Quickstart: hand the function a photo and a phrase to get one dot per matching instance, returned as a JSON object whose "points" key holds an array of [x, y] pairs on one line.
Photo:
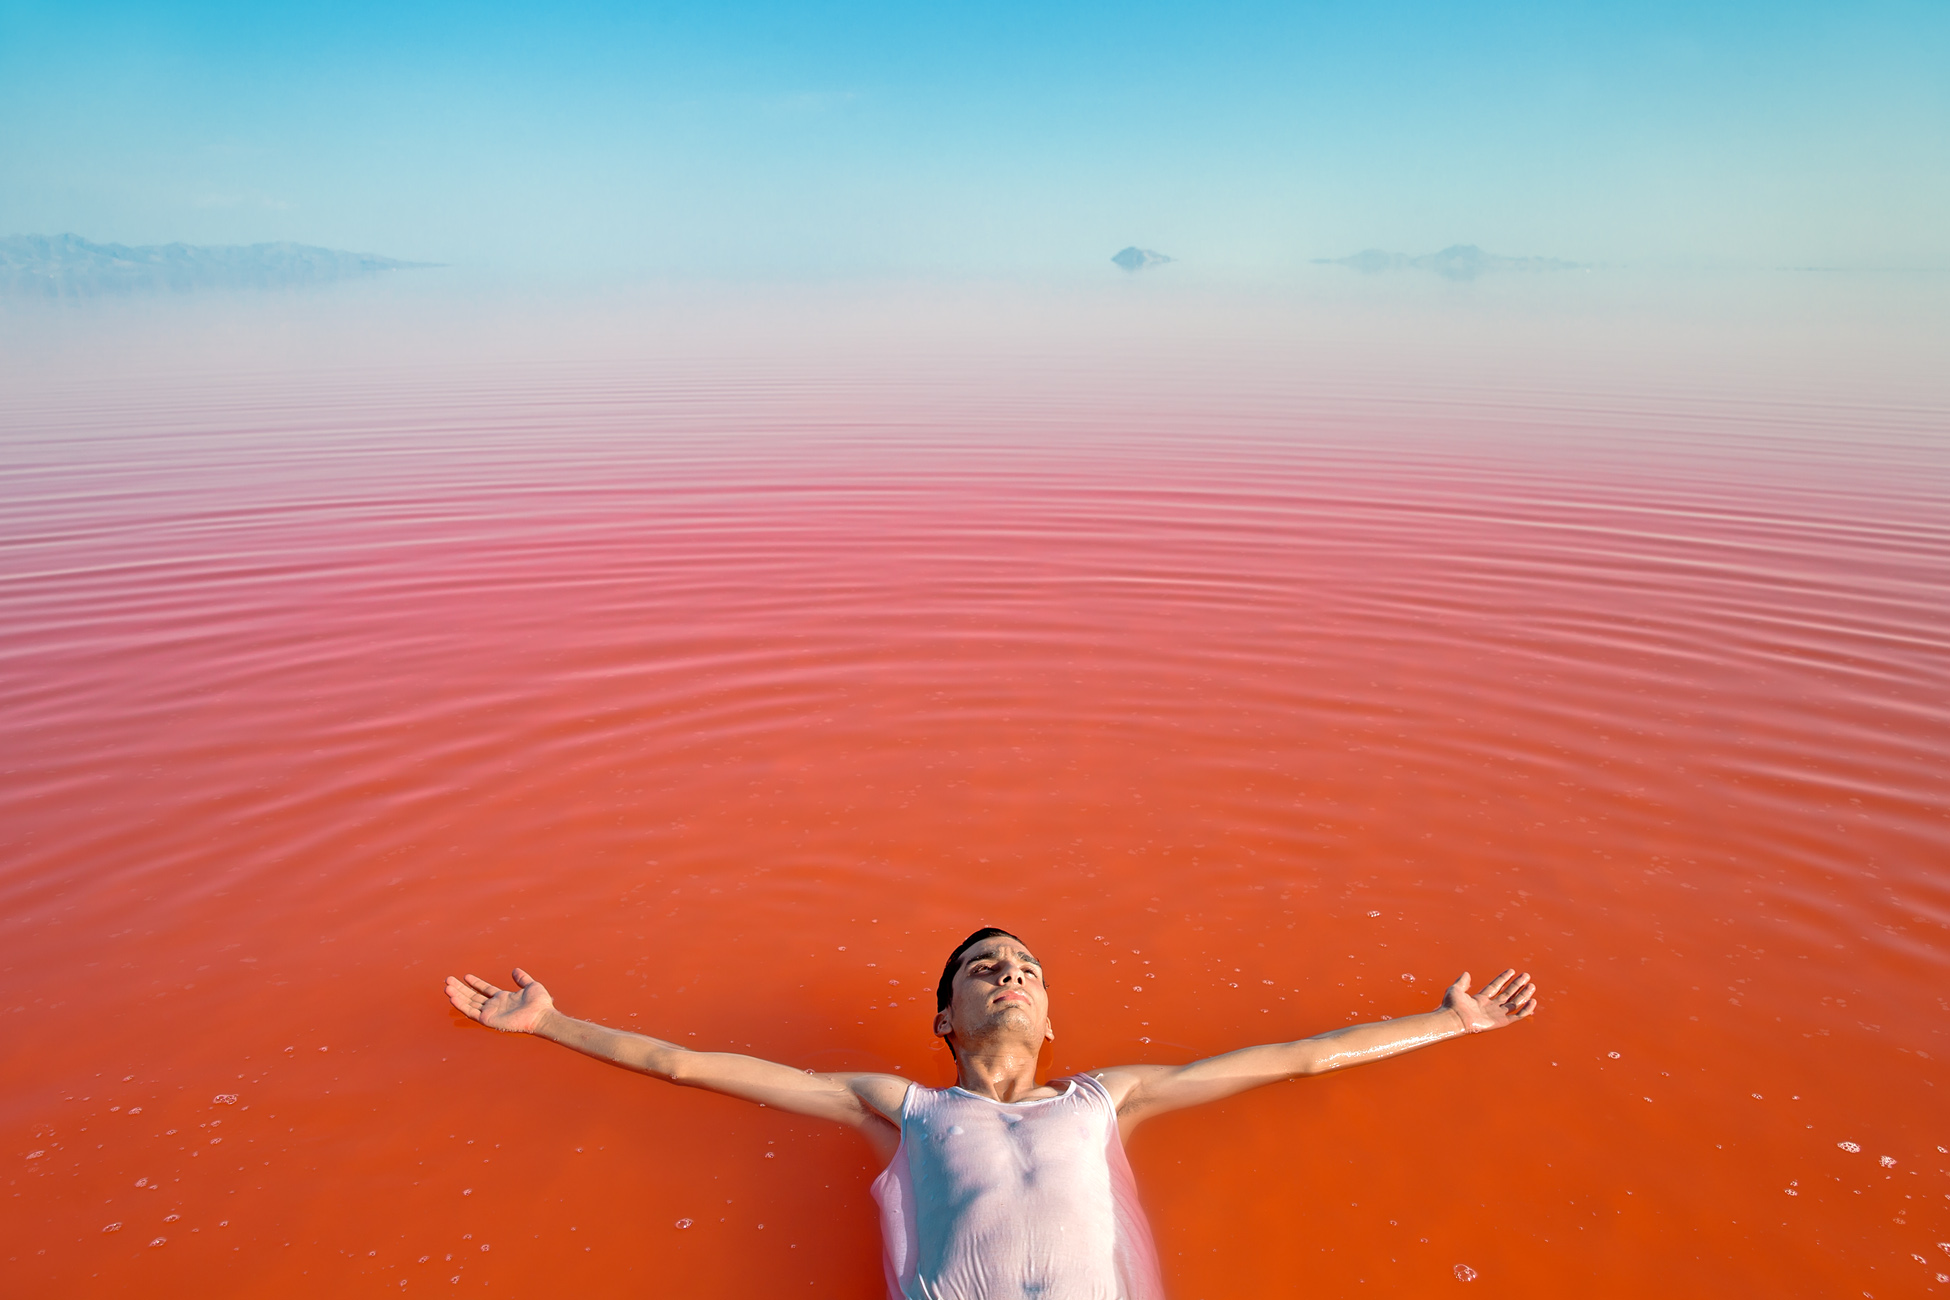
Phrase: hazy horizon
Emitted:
{"points": [[863, 139]]}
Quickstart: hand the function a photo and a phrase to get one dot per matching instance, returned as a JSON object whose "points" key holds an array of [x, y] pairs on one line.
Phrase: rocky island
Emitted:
{"points": [[1136, 259]]}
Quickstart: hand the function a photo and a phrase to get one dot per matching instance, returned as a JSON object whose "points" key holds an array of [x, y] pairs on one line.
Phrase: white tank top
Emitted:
{"points": [[1027, 1200]]}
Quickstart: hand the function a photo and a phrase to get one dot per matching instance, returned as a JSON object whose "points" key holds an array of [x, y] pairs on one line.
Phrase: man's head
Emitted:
{"points": [[991, 986]]}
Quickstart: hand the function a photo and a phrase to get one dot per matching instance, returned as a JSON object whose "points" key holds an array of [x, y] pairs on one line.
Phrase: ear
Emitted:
{"points": [[1049, 1031], [942, 1024]]}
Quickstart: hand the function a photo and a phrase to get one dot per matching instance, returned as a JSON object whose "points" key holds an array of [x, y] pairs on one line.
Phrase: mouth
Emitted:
{"points": [[1011, 995]]}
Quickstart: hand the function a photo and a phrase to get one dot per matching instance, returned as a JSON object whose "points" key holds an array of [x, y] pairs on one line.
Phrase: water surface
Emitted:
{"points": [[722, 659]]}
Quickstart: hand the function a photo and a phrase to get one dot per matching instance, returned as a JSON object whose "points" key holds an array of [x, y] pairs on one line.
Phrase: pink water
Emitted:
{"points": [[723, 667]]}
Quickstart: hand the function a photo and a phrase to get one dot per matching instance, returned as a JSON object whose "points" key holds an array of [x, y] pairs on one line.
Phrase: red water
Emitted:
{"points": [[725, 702]]}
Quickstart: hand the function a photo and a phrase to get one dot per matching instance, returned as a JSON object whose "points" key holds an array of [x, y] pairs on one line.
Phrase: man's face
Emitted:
{"points": [[998, 989]]}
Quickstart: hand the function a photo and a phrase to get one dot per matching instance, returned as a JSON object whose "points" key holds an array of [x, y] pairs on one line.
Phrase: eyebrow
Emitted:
{"points": [[1028, 960]]}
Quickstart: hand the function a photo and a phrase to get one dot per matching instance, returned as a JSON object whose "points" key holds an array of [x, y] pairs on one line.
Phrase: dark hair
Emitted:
{"points": [[944, 992]]}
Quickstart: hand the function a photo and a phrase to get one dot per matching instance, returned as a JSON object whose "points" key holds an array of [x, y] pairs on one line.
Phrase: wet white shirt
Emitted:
{"points": [[1027, 1200]]}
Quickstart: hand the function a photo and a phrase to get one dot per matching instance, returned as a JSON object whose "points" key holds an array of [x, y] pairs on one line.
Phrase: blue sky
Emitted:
{"points": [[759, 139]]}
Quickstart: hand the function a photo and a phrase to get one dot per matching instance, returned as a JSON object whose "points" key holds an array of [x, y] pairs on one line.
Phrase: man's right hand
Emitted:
{"points": [[519, 1010]]}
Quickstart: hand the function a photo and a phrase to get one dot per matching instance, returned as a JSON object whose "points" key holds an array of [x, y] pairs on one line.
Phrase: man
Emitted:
{"points": [[1003, 1187]]}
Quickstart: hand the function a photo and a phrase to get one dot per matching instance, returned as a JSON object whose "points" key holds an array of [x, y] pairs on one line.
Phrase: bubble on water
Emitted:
{"points": [[1848, 1146], [142, 1182], [160, 1241], [128, 1078], [454, 1278], [770, 1154], [324, 1049], [1887, 1162], [425, 1258], [1374, 914], [684, 1223], [35, 1155], [484, 1245], [111, 1227], [135, 1110], [1790, 1191], [1409, 978], [1756, 1096], [1139, 988], [1612, 1055], [1464, 1273], [171, 1218], [229, 1098], [1144, 1040], [223, 1223], [466, 1191]]}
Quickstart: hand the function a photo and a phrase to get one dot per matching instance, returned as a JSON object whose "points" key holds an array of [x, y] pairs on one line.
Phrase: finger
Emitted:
{"points": [[1462, 983], [1495, 986], [1519, 989], [522, 978], [481, 984], [465, 1000]]}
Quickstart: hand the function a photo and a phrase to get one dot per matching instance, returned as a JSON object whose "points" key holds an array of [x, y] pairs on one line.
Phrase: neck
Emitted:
{"points": [[1003, 1069]]}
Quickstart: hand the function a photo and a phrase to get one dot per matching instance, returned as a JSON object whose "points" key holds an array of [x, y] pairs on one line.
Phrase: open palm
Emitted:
{"points": [[1508, 998], [512, 1011]]}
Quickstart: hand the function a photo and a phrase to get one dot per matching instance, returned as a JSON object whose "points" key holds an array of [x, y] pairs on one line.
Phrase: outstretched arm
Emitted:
{"points": [[870, 1103], [1142, 1091]]}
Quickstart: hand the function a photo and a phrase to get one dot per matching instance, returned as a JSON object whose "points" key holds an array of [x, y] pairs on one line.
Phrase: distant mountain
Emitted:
{"points": [[62, 265], [1457, 262], [1136, 259]]}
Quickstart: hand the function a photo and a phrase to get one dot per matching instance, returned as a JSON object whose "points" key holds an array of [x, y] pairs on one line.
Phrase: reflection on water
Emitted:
{"points": [[723, 660]]}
